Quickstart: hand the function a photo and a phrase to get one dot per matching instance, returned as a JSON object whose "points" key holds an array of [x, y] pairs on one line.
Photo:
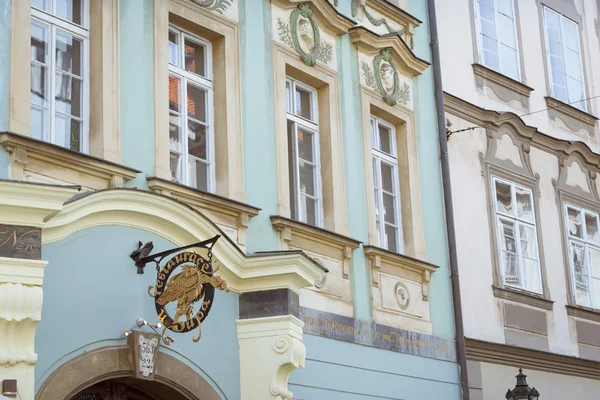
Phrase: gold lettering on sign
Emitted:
{"points": [[16, 240]]}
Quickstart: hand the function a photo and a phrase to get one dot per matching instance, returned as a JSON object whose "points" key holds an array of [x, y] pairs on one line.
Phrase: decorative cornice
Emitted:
{"points": [[22, 271], [523, 298], [326, 13], [498, 353], [24, 148], [372, 43], [396, 14], [583, 313], [568, 110], [502, 80]]}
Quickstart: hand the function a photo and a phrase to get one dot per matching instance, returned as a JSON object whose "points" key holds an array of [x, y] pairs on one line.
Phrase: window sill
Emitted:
{"points": [[583, 313], [232, 216], [295, 234], [523, 297], [38, 161], [574, 118], [507, 89]]}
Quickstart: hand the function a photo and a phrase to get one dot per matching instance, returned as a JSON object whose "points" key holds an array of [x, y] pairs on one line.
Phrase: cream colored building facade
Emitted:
{"points": [[521, 98]]}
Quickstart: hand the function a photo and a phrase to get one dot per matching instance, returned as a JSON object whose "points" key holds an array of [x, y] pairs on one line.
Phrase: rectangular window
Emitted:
{"points": [[191, 111], [584, 254], [564, 59], [517, 236], [303, 144], [386, 187], [60, 72], [497, 37]]}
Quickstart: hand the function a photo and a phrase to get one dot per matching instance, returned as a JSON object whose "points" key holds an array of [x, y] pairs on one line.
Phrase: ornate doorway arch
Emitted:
{"points": [[114, 363]]}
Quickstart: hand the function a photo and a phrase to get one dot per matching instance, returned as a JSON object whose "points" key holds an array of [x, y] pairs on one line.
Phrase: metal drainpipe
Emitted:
{"points": [[439, 101]]}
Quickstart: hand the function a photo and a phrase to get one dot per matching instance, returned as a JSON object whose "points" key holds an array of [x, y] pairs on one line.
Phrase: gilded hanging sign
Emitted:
{"points": [[185, 288]]}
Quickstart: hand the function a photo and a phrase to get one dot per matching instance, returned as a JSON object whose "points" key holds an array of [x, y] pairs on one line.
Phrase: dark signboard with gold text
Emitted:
{"points": [[20, 242]]}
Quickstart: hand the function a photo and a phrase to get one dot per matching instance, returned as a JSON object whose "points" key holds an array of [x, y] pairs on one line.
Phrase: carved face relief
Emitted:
{"points": [[306, 34], [387, 77]]}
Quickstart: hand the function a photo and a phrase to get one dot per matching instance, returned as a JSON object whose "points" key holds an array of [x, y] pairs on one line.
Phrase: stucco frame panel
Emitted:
{"points": [[403, 120], [224, 36], [492, 166], [326, 82]]}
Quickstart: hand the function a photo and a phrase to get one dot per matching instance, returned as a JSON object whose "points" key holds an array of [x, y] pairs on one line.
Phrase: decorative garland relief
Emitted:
{"points": [[213, 5], [384, 77]]}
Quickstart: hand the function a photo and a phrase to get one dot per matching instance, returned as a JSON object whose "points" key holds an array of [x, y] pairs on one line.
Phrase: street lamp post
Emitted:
{"points": [[522, 391]]}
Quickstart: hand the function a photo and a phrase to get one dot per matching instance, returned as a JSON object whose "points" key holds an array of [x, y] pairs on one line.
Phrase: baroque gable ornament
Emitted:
{"points": [[213, 5], [387, 79]]}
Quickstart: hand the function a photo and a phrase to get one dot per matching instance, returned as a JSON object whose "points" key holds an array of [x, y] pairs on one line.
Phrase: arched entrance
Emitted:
{"points": [[106, 374], [128, 389]]}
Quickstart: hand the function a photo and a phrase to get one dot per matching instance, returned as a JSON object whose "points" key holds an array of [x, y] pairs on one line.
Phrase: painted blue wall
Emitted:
{"points": [[92, 296], [339, 370]]}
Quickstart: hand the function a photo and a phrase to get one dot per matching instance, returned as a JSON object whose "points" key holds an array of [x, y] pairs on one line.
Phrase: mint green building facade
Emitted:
{"points": [[349, 299]]}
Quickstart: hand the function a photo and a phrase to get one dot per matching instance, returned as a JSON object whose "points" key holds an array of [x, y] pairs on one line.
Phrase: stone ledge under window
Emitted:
{"points": [[523, 297], [295, 234], [583, 313], [34, 160], [232, 216], [572, 117], [507, 89]]}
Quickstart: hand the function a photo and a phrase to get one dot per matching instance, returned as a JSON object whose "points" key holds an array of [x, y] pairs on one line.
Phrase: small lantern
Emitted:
{"points": [[522, 391]]}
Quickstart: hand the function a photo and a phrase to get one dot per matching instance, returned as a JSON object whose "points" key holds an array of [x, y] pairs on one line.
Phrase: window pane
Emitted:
{"points": [[487, 15], [387, 174], [528, 242], [557, 63], [580, 274], [38, 122], [197, 145], [308, 210], [71, 10], [574, 222], [376, 172], [555, 49], [510, 63], [385, 139], [69, 95], [68, 53], [198, 174], [391, 234], [576, 95], [595, 263], [39, 84], [389, 209], [41, 4], [39, 41], [591, 228], [305, 144], [596, 287], [380, 238], [174, 93], [552, 24], [508, 250], [288, 97], [377, 206], [175, 132], [490, 56], [195, 57], [196, 102], [506, 31], [505, 7], [307, 178], [571, 34], [173, 48], [559, 78], [67, 132], [303, 104], [503, 198], [560, 93], [574, 65], [524, 204], [176, 170]]}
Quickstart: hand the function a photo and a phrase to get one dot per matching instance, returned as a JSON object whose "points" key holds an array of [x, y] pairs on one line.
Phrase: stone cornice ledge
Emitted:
{"points": [[394, 13], [31, 204], [583, 313], [570, 111], [523, 298], [18, 270], [499, 353], [328, 14], [502, 80], [371, 42], [23, 148]]}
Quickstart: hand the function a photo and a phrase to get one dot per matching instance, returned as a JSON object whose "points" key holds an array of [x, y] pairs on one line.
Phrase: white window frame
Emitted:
{"points": [[498, 217], [379, 157], [205, 83], [564, 49], [80, 32], [313, 126], [480, 54], [587, 245]]}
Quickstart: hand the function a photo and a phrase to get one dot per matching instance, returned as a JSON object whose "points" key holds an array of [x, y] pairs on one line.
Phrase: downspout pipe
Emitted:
{"points": [[445, 166]]}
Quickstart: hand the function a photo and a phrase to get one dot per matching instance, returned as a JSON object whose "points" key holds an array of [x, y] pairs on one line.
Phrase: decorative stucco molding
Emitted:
{"points": [[518, 296], [324, 13], [573, 118], [271, 349], [583, 313], [505, 88], [213, 5]]}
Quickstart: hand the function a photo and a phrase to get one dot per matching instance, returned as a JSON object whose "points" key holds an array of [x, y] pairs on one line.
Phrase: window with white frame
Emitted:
{"points": [[497, 36], [191, 126], [60, 72], [564, 59], [517, 236], [386, 185], [584, 254], [304, 158]]}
